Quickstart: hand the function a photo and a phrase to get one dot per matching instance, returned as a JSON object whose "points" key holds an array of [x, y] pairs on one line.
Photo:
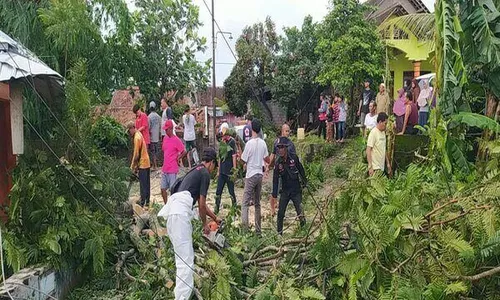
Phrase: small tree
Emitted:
{"points": [[349, 47]]}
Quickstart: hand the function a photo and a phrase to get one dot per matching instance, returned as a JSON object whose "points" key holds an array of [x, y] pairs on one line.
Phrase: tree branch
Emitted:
{"points": [[460, 215], [480, 275], [436, 209]]}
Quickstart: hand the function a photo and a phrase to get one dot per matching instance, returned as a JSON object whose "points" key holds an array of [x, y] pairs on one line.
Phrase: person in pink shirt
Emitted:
{"points": [[142, 123], [173, 151]]}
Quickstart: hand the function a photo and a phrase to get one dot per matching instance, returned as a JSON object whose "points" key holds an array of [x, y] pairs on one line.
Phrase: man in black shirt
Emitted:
{"points": [[289, 169], [179, 212], [227, 164], [367, 97], [285, 133]]}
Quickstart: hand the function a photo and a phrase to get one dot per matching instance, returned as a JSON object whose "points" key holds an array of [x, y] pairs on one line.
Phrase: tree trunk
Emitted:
{"points": [[491, 105], [491, 112]]}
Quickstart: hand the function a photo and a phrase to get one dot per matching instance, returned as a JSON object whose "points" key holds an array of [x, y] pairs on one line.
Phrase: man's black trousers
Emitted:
{"points": [[285, 198], [145, 185]]}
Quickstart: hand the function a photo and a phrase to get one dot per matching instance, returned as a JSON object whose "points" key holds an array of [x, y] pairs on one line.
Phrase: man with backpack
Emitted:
{"points": [[228, 154], [187, 191], [289, 169]]}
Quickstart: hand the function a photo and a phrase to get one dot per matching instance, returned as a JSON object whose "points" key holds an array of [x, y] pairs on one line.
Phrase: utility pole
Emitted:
{"points": [[214, 86]]}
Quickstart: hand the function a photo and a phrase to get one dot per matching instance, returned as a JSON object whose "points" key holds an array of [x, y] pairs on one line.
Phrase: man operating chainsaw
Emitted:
{"points": [[178, 211], [291, 172]]}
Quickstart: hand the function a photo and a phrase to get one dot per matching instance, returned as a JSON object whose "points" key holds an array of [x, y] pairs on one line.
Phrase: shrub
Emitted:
{"points": [[109, 135]]}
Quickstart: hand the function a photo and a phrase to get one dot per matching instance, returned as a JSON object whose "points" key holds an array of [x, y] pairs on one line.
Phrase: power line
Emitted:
{"points": [[76, 178], [230, 49], [107, 211]]}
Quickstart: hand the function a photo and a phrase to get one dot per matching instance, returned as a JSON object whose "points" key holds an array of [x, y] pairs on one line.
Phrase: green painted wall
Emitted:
{"points": [[400, 64]]}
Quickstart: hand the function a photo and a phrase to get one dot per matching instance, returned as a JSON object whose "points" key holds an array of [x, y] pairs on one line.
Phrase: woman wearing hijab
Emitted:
{"points": [[399, 109], [415, 90], [423, 103]]}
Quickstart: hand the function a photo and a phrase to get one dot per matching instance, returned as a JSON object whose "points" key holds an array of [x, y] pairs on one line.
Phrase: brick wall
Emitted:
{"points": [[279, 113]]}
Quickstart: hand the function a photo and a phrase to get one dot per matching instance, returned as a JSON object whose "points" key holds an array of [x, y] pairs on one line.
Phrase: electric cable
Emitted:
{"points": [[154, 230], [98, 202]]}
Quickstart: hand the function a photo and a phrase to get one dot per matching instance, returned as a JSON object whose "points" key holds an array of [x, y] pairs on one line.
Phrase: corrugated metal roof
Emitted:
{"points": [[16, 61]]}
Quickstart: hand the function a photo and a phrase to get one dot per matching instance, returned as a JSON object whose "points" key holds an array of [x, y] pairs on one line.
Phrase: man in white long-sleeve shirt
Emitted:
{"points": [[179, 212]]}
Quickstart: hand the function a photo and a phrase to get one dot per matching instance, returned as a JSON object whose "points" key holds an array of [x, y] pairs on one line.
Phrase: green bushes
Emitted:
{"points": [[54, 218], [420, 234], [109, 136]]}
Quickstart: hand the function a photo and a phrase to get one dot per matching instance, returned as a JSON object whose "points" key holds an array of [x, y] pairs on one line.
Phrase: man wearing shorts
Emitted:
{"points": [[173, 150]]}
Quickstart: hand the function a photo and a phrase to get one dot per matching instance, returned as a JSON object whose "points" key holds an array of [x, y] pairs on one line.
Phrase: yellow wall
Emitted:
{"points": [[400, 64]]}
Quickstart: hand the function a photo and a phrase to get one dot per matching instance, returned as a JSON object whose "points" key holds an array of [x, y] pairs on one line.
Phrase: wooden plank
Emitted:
{"points": [[4, 91]]}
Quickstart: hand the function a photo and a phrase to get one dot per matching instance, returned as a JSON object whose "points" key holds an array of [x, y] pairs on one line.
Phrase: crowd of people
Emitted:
{"points": [[410, 108], [156, 143]]}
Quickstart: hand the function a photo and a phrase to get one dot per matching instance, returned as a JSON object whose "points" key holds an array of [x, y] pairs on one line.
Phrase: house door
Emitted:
{"points": [[7, 160]]}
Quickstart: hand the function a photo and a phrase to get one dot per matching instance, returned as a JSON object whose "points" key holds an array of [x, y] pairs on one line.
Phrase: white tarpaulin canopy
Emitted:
{"points": [[16, 62]]}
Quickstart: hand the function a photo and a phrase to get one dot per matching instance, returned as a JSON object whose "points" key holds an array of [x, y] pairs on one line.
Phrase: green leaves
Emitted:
{"points": [[450, 67], [476, 120], [349, 47], [297, 66], [256, 49]]}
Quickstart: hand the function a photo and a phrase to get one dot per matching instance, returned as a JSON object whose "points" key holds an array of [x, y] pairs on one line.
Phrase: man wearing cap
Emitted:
{"points": [[166, 114], [141, 123], [140, 163], [227, 165], [254, 156], [173, 151], [289, 169], [285, 134], [179, 212], [154, 121], [367, 97], [247, 130]]}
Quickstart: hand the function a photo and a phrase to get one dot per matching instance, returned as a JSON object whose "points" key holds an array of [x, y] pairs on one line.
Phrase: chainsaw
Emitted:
{"points": [[215, 238]]}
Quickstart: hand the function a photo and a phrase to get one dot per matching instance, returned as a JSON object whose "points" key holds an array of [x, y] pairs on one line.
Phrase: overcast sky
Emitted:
{"points": [[234, 15]]}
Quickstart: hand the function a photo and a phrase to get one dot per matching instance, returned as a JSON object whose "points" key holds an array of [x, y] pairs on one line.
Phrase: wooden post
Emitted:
{"points": [[416, 69]]}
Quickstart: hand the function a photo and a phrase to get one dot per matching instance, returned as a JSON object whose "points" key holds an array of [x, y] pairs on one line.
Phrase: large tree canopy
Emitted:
{"points": [[349, 46], [256, 49], [153, 47], [297, 67]]}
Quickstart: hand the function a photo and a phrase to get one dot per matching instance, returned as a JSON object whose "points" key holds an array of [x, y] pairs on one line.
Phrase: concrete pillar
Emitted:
{"points": [[416, 69]]}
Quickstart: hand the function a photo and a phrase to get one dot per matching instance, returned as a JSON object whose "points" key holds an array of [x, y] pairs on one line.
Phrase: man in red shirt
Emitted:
{"points": [[173, 151], [142, 123]]}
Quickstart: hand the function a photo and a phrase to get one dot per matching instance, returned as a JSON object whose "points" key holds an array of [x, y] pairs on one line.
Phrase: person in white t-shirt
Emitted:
{"points": [[371, 117], [254, 156], [188, 120]]}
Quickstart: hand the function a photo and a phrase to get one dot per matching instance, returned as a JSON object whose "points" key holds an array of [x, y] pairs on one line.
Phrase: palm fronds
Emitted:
{"points": [[421, 26]]}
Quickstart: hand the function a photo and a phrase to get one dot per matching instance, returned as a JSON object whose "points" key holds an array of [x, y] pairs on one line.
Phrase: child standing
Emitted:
{"points": [[342, 108]]}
